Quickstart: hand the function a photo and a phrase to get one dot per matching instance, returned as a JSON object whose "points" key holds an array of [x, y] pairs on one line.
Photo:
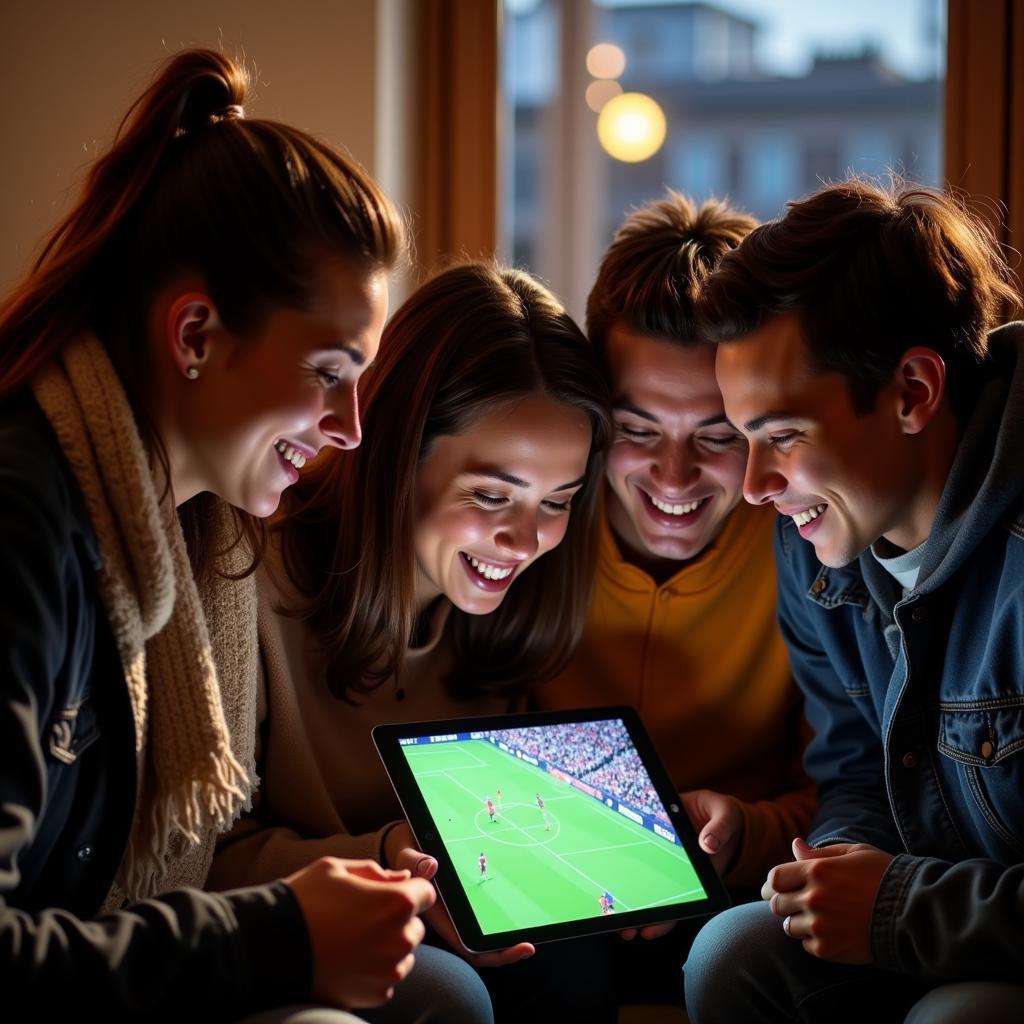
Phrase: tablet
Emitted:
{"points": [[548, 825]]}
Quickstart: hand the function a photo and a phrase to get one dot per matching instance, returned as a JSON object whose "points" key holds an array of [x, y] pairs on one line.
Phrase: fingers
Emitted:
{"points": [[710, 835], [801, 851], [784, 878], [418, 864], [423, 894], [502, 957], [372, 871]]}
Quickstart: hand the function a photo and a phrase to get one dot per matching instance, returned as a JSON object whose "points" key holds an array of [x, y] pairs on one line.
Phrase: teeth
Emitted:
{"points": [[296, 458], [808, 514], [674, 510], [492, 572]]}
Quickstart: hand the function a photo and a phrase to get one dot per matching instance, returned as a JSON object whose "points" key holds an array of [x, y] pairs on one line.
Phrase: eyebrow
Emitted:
{"points": [[508, 478], [752, 426], [635, 410], [708, 421]]}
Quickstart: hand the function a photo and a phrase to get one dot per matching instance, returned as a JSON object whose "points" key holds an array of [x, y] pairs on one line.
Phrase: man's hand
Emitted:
{"points": [[719, 824], [363, 927], [825, 898], [400, 849]]}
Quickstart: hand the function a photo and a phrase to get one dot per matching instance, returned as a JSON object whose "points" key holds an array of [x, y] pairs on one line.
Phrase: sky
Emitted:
{"points": [[792, 30]]}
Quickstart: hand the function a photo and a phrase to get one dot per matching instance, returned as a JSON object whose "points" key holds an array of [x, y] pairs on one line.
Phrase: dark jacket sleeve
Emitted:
{"points": [[941, 922], [844, 757], [171, 956]]}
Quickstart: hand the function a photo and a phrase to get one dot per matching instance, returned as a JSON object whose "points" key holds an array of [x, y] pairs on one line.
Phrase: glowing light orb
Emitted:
{"points": [[600, 92], [606, 60], [631, 127]]}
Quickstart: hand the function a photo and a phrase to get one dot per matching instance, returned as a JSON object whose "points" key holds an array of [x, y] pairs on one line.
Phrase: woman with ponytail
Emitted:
{"points": [[191, 333]]}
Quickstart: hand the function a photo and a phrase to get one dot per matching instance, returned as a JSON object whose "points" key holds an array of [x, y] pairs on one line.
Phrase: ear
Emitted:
{"points": [[191, 318], [921, 378]]}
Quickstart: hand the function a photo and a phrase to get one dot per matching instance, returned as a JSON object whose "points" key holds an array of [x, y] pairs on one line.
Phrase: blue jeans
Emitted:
{"points": [[440, 989], [743, 967]]}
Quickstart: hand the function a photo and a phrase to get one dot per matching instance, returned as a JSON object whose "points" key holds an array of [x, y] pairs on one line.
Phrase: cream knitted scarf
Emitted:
{"points": [[194, 732]]}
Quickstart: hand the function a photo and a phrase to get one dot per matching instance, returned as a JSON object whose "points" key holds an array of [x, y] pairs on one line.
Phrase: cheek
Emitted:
{"points": [[728, 469], [551, 534], [625, 458], [447, 526]]}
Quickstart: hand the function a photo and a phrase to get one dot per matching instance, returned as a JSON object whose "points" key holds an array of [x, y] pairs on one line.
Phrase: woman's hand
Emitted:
{"points": [[718, 820], [400, 850]]}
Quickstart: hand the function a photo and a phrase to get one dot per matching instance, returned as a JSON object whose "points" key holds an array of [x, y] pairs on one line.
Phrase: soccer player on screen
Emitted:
{"points": [[490, 809], [483, 867], [607, 901], [498, 795], [543, 813]]}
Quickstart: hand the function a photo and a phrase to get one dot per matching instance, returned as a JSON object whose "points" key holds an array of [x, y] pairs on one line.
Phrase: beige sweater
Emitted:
{"points": [[323, 788]]}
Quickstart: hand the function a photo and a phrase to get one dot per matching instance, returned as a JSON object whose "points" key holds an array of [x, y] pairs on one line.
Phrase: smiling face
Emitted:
{"points": [[261, 406], [845, 478], [675, 470], [492, 500]]}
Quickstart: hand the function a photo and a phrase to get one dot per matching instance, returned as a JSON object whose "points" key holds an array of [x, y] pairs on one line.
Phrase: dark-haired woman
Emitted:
{"points": [[439, 570], [192, 332]]}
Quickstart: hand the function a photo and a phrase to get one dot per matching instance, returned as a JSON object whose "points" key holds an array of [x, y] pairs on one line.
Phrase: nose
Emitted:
{"points": [[674, 469], [340, 420], [518, 537], [762, 481]]}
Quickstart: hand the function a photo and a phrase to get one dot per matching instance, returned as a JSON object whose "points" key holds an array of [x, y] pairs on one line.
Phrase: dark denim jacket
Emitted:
{"points": [[917, 704]]}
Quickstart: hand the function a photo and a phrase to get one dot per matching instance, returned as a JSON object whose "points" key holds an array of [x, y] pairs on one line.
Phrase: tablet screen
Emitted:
{"points": [[553, 823]]}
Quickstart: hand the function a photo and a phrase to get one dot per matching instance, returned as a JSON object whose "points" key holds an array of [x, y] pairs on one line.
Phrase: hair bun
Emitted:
{"points": [[214, 88]]}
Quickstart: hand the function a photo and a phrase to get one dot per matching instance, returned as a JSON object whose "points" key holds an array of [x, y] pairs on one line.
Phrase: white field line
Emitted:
{"points": [[602, 849], [677, 898]]}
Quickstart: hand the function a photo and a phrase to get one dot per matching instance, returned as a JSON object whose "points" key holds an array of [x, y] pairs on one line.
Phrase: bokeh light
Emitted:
{"points": [[600, 92], [606, 60], [631, 127]]}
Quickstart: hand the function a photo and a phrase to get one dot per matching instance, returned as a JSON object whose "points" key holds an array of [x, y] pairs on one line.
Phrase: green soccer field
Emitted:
{"points": [[541, 871]]}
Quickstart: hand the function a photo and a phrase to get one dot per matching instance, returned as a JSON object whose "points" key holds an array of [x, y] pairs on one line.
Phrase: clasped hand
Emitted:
{"points": [[826, 897]]}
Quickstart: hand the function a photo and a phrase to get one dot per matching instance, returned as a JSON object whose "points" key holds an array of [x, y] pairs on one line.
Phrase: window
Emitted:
{"points": [[762, 101]]}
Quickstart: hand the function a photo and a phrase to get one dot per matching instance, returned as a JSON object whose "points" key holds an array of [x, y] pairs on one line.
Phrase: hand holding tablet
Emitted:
{"points": [[547, 826]]}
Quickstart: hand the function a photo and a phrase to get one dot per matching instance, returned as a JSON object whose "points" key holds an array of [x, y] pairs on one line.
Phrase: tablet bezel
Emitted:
{"points": [[386, 739]]}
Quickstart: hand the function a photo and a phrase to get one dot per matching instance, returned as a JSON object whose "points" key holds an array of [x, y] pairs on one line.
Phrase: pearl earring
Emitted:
{"points": [[191, 373]]}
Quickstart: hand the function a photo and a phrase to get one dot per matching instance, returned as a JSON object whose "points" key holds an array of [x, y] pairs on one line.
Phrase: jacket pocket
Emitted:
{"points": [[73, 730], [987, 739]]}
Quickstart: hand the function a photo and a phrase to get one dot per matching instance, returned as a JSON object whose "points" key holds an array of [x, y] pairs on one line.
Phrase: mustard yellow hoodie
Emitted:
{"points": [[701, 659]]}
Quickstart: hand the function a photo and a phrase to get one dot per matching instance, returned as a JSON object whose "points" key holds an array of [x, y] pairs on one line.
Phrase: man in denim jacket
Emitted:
{"points": [[885, 419]]}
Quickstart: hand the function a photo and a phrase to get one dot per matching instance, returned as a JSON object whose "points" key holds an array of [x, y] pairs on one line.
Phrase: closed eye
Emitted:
{"points": [[783, 441], [632, 432], [491, 500], [327, 379], [558, 506]]}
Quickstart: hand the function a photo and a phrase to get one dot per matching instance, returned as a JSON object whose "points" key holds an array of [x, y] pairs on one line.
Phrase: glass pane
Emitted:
{"points": [[761, 102]]}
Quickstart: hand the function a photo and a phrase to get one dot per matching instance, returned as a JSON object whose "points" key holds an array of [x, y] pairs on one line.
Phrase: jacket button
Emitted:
{"points": [[818, 586], [988, 748], [909, 759], [84, 853], [919, 614]]}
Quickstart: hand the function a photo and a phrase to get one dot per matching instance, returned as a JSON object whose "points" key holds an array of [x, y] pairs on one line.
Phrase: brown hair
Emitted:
{"points": [[870, 270], [652, 275], [474, 337], [191, 185]]}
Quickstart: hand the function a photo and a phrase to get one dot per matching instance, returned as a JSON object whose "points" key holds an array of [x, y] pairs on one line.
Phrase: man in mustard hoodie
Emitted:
{"points": [[682, 622]]}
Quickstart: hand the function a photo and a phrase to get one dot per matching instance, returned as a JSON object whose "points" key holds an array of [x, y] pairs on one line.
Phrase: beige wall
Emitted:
{"points": [[70, 68]]}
